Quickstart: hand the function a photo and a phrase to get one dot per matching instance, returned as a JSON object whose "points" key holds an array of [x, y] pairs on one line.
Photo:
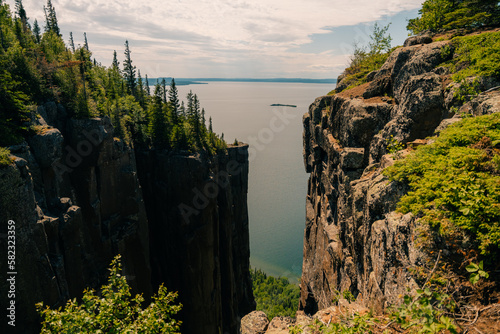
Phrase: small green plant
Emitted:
{"points": [[425, 312], [476, 272], [113, 310], [236, 142], [446, 52], [467, 90], [394, 147], [336, 296], [295, 329], [348, 296], [5, 159]]}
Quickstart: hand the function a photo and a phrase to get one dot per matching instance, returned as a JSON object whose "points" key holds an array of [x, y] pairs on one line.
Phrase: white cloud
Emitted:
{"points": [[183, 33]]}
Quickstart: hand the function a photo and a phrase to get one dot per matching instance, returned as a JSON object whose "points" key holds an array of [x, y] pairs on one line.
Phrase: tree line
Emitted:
{"points": [[36, 67]]}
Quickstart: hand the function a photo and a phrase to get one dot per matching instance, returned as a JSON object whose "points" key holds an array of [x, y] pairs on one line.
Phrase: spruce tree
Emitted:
{"points": [[115, 64], [164, 90], [51, 19], [21, 12], [86, 43], [72, 42], [140, 93], [37, 33], [129, 71], [148, 90], [173, 99]]}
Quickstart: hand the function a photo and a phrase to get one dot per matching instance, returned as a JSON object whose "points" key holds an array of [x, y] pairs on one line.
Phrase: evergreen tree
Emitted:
{"points": [[71, 42], [452, 14], [140, 93], [115, 64], [37, 33], [164, 90], [129, 71], [158, 125], [86, 43], [51, 19], [210, 128], [148, 90], [173, 99], [21, 12], [183, 109]]}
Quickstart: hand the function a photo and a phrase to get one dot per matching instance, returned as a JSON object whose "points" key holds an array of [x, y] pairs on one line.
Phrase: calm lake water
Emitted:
{"points": [[277, 179]]}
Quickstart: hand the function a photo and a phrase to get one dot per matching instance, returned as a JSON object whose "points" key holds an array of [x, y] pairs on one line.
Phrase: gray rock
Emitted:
{"points": [[254, 323], [414, 40], [47, 146]]}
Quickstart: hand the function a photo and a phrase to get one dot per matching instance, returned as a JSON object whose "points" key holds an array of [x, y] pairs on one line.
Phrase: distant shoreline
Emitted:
{"points": [[201, 81]]}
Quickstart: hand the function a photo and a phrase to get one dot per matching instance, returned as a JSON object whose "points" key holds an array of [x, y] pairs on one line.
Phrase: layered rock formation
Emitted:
{"points": [[354, 240], [74, 194]]}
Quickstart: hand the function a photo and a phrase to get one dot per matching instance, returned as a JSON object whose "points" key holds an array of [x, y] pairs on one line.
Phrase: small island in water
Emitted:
{"points": [[283, 105]]}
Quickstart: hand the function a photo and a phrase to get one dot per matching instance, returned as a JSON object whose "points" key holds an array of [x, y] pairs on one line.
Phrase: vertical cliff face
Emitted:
{"points": [[76, 202], [354, 240], [74, 194], [199, 237]]}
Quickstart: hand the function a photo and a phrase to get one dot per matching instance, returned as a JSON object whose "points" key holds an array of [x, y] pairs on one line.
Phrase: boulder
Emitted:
{"points": [[254, 323]]}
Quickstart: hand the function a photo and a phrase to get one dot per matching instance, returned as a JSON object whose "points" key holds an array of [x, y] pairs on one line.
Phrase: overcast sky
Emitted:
{"points": [[228, 38]]}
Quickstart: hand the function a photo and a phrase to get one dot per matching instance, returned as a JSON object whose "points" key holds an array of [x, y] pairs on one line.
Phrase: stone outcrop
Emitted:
{"points": [[354, 240], [198, 216], [75, 195], [71, 219]]}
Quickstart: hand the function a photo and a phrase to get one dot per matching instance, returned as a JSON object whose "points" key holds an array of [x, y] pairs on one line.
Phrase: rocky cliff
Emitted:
{"points": [[74, 195], [354, 240], [197, 212]]}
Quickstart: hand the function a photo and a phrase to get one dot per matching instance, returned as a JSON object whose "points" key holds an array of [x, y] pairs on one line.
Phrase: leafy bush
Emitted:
{"points": [[113, 310], [425, 312], [5, 157], [438, 15], [275, 296], [455, 182]]}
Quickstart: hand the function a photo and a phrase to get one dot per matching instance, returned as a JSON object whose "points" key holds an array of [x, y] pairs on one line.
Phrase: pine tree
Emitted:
{"points": [[148, 90], [140, 93], [158, 124], [51, 19], [164, 90], [37, 33], [86, 43], [129, 71], [173, 99], [115, 64], [21, 12], [72, 42], [183, 109]]}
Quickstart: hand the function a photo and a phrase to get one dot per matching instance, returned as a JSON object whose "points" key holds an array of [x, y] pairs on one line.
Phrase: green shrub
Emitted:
{"points": [[113, 310], [5, 159], [476, 56], [425, 313], [455, 182], [275, 296]]}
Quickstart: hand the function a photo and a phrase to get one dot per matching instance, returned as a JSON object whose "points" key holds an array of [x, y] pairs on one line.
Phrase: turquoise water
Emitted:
{"points": [[277, 179]]}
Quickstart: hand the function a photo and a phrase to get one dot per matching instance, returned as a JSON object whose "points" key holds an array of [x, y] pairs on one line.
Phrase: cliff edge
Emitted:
{"points": [[354, 239]]}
